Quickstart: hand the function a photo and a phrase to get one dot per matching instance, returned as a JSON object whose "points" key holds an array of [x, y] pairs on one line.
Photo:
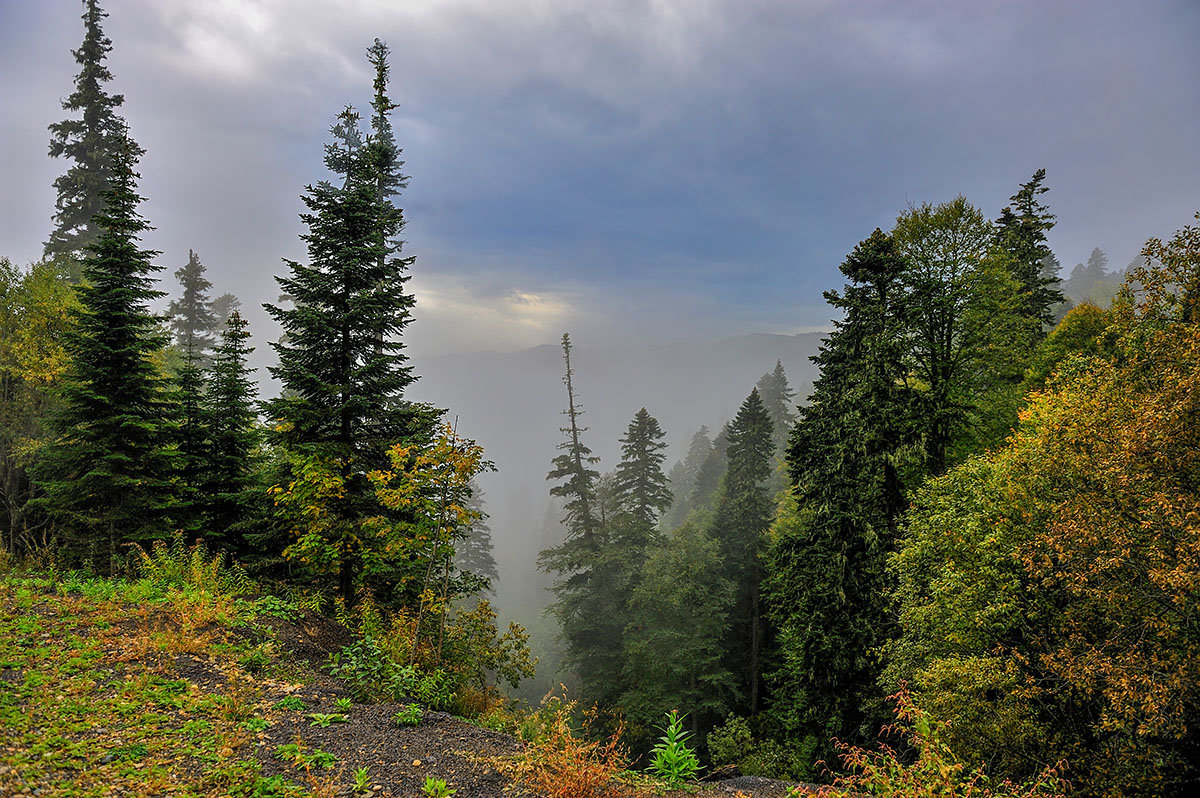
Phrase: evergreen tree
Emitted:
{"points": [[231, 483], [193, 320], [107, 475], [777, 397], [341, 360], [223, 307], [191, 440], [708, 479], [1021, 233], [826, 564], [740, 522], [589, 613], [678, 623], [94, 143], [473, 554], [684, 476], [640, 484]]}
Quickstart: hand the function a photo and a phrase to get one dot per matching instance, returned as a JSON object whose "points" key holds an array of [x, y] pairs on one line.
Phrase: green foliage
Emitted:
{"points": [[343, 704], [676, 629], [937, 772], [372, 675], [296, 754], [1021, 234], [672, 760], [436, 788], [739, 523], [256, 724], [107, 476], [362, 780], [324, 719], [410, 715], [191, 315], [96, 144], [234, 498], [734, 743], [36, 307], [177, 564], [291, 702]]}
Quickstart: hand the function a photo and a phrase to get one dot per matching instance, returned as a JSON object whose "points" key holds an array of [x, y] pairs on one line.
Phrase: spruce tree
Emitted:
{"points": [[341, 359], [94, 143], [1021, 233], [193, 320], [223, 307], [231, 488], [826, 565], [191, 432], [107, 475], [740, 522]]}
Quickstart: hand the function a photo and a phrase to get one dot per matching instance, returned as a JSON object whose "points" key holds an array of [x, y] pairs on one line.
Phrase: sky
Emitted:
{"points": [[633, 170]]}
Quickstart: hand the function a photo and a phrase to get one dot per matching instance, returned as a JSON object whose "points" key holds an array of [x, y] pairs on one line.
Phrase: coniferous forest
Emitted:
{"points": [[963, 560]]}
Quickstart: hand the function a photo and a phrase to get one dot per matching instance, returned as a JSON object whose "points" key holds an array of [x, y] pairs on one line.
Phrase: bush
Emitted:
{"points": [[936, 773], [734, 744], [372, 675], [562, 764]]}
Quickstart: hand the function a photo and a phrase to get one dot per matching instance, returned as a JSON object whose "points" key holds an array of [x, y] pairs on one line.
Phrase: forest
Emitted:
{"points": [[977, 535]]}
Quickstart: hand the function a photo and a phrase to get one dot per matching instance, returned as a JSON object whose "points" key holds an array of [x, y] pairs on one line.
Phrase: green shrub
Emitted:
{"points": [[372, 675], [409, 716], [734, 743]]}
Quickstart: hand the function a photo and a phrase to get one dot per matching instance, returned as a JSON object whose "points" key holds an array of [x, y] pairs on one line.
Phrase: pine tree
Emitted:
{"points": [[708, 479], [193, 320], [740, 522], [826, 564], [94, 143], [231, 486], [1021, 233], [107, 475], [341, 360]]}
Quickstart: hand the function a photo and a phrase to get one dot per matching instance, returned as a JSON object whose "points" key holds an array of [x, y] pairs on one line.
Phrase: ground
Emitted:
{"points": [[128, 689]]}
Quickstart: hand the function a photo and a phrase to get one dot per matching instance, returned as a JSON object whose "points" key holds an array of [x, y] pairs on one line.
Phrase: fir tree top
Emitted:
{"points": [[92, 142]]}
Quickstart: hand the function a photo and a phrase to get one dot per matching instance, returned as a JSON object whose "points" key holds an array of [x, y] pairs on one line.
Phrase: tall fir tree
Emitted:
{"points": [[1021, 233], [223, 307], [107, 475], [342, 363], [231, 487], [93, 143], [193, 319], [588, 613], [826, 564], [191, 431], [740, 521]]}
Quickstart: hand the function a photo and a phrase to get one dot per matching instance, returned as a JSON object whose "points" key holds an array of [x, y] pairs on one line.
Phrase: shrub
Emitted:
{"points": [[562, 764], [409, 716], [671, 759], [176, 564], [734, 743], [372, 675], [936, 773]]}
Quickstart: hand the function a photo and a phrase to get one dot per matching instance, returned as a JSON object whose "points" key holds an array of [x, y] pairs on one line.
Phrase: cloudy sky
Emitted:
{"points": [[628, 170]]}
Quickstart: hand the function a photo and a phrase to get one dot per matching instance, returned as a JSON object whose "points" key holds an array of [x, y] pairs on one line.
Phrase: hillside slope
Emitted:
{"points": [[111, 688]]}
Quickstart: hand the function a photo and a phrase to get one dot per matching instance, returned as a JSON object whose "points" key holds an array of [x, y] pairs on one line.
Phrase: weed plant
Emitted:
{"points": [[671, 759], [436, 788]]}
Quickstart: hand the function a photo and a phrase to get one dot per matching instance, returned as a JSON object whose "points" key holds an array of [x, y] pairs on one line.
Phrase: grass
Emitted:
{"points": [[91, 698]]}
